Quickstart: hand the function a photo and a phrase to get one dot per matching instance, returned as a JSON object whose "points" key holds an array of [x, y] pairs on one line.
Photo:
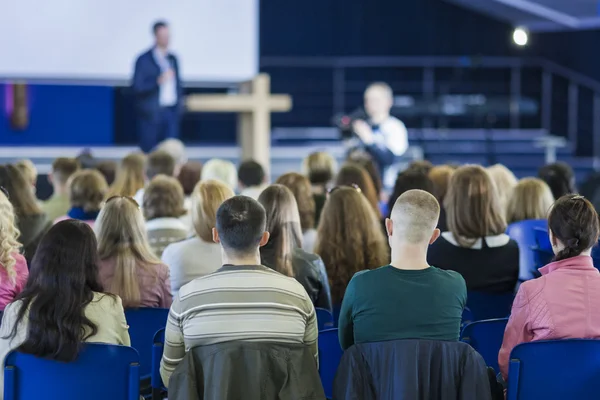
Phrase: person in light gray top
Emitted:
{"points": [[199, 255]]}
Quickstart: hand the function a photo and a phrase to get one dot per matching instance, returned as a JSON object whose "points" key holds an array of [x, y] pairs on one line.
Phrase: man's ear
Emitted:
{"points": [[215, 236], [389, 226], [264, 239], [435, 235]]}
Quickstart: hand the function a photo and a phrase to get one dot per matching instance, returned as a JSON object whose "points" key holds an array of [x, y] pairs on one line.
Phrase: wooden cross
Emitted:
{"points": [[254, 105]]}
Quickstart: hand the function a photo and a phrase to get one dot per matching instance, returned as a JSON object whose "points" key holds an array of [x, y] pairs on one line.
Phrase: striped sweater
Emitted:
{"points": [[252, 303]]}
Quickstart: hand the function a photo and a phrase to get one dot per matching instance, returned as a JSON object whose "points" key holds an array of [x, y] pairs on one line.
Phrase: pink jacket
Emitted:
{"points": [[8, 291], [564, 303]]}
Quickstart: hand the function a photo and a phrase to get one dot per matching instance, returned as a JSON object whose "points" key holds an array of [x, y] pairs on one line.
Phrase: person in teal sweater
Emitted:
{"points": [[408, 299]]}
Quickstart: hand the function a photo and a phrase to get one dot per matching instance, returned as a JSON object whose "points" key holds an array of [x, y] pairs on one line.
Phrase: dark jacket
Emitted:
{"points": [[247, 370], [145, 84], [412, 370], [310, 272], [32, 228]]}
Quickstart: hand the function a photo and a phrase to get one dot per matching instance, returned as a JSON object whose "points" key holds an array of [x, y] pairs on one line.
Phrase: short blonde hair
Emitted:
{"points": [[505, 182], [472, 206], [531, 199], [163, 198], [87, 189], [220, 170], [28, 169], [383, 87], [9, 245], [415, 216], [320, 167], [207, 197]]}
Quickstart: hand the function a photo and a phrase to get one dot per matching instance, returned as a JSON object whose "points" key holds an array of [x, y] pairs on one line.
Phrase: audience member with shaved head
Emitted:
{"points": [[408, 299]]}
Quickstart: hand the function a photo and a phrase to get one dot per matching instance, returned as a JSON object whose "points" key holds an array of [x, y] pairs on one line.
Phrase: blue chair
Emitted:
{"points": [[523, 232], [324, 319], [101, 372], [157, 351], [489, 305], [330, 355], [574, 366], [486, 338], [143, 324], [542, 240]]}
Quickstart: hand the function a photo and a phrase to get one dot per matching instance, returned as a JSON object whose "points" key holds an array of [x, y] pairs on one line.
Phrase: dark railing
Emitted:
{"points": [[429, 65]]}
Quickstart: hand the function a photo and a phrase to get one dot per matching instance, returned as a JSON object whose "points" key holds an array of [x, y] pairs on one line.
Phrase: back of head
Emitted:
{"points": [[424, 166], [408, 180], [440, 177], [283, 224], [505, 182], [28, 169], [241, 223], [300, 187], [574, 221], [319, 167], [189, 176], [122, 237], [473, 206], [349, 238], [369, 165], [163, 198], [9, 233], [63, 168], [175, 148], [560, 177], [19, 191], [353, 174], [250, 173], [108, 169], [62, 280], [415, 215], [531, 199], [220, 170], [131, 175], [87, 189], [160, 163], [207, 197]]}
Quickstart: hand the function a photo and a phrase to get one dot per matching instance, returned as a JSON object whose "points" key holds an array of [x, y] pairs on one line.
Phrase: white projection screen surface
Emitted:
{"points": [[97, 41]]}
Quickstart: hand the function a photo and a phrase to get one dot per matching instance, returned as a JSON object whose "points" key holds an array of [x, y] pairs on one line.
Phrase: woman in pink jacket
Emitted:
{"points": [[563, 302]]}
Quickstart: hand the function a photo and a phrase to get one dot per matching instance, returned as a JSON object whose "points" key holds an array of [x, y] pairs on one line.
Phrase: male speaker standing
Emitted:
{"points": [[157, 87]]}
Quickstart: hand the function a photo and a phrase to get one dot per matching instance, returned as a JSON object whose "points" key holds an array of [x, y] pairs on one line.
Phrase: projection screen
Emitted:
{"points": [[96, 41]]}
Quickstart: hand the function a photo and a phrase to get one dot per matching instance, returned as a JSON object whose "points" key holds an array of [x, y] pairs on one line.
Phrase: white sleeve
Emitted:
{"points": [[396, 136]]}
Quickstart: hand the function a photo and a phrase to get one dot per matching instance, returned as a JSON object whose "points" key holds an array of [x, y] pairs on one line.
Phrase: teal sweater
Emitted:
{"points": [[389, 303]]}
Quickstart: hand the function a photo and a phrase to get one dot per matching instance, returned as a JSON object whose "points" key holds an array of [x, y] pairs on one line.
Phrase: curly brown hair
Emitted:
{"points": [[349, 239], [163, 198]]}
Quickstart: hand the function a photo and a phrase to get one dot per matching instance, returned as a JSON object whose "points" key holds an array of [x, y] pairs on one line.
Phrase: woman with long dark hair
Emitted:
{"points": [[283, 252], [63, 304]]}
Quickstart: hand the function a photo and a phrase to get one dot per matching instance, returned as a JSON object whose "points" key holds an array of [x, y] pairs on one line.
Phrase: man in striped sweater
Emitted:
{"points": [[243, 300]]}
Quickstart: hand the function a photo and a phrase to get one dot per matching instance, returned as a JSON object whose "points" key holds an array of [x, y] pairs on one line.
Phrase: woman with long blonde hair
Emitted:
{"points": [[349, 238], [13, 267], [198, 255], [131, 176], [128, 266]]}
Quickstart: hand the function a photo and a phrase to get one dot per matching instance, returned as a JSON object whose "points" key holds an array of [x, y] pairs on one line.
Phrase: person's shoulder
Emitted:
{"points": [[144, 55], [106, 302], [304, 256], [369, 274], [448, 275]]}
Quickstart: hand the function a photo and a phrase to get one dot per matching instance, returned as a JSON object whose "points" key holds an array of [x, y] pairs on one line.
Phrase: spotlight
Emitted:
{"points": [[520, 37]]}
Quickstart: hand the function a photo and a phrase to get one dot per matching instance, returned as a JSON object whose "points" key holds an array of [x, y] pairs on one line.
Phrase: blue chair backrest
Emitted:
{"points": [[101, 372], [523, 232], [486, 338], [542, 240], [143, 324], [324, 319], [485, 305], [555, 370], [157, 352], [330, 355]]}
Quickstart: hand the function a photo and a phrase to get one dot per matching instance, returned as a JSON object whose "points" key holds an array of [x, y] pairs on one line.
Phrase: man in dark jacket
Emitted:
{"points": [[157, 87]]}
